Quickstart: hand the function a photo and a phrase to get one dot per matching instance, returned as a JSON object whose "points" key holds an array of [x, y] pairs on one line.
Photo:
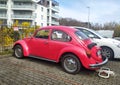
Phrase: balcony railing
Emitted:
{"points": [[3, 16], [23, 0], [24, 7], [3, 6], [28, 17], [55, 22], [55, 8], [55, 15]]}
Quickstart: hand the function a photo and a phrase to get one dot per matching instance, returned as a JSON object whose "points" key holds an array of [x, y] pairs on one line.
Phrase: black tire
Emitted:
{"points": [[71, 64], [18, 52], [107, 52]]}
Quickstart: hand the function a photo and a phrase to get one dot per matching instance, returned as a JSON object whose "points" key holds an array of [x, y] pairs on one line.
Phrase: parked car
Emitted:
{"points": [[110, 47], [61, 44]]}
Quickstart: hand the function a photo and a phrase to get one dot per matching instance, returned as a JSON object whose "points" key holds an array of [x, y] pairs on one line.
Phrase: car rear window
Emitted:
{"points": [[81, 35]]}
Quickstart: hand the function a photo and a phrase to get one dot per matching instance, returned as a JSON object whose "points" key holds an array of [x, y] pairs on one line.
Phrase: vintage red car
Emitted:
{"points": [[62, 44]]}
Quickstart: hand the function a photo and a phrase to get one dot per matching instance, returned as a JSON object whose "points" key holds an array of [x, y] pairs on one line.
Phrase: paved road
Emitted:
{"points": [[29, 71]]}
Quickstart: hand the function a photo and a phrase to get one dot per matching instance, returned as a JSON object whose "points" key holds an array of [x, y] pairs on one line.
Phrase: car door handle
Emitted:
{"points": [[45, 42]]}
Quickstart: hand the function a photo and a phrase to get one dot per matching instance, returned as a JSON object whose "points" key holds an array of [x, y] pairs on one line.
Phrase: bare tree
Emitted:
{"points": [[72, 22]]}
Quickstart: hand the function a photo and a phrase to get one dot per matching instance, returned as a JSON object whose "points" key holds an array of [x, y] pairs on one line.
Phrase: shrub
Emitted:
{"points": [[8, 36], [117, 31]]}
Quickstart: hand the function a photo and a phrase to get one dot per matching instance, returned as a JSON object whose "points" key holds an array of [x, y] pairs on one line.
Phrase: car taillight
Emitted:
{"points": [[88, 54], [90, 46]]}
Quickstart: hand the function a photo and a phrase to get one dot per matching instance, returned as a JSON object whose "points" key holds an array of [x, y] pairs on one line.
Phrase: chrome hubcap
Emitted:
{"points": [[18, 52], [70, 64], [106, 53]]}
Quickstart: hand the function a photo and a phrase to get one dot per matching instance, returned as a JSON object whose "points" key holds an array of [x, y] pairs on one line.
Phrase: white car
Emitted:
{"points": [[110, 47]]}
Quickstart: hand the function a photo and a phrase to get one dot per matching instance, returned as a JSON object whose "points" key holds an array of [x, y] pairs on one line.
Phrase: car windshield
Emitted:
{"points": [[81, 35], [90, 33], [96, 32]]}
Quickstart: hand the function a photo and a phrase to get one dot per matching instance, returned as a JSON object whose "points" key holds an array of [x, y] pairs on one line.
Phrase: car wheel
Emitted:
{"points": [[18, 52], [71, 63], [107, 52]]}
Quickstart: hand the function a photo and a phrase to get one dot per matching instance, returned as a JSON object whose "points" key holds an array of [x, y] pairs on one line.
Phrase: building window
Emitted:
{"points": [[41, 17], [3, 2], [35, 15], [41, 24], [42, 9], [41, 2], [48, 11]]}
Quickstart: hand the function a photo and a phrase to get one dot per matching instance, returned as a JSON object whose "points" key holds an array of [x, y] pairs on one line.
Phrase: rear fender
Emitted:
{"points": [[79, 52], [24, 47]]}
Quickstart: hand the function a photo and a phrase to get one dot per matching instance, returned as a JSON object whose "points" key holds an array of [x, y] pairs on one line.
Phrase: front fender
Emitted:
{"points": [[24, 46]]}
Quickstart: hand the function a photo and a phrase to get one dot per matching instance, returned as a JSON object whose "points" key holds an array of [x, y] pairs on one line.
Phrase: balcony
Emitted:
{"points": [[54, 8], [55, 22], [3, 6], [3, 16], [23, 17], [55, 16], [23, 0], [23, 7]]}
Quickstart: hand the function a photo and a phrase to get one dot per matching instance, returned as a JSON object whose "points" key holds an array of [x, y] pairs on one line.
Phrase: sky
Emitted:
{"points": [[98, 11]]}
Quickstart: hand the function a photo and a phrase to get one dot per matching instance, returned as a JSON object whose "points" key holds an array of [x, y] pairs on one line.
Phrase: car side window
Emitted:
{"points": [[58, 35], [42, 34]]}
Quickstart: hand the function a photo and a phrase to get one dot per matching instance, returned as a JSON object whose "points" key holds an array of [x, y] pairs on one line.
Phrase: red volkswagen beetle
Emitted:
{"points": [[62, 44]]}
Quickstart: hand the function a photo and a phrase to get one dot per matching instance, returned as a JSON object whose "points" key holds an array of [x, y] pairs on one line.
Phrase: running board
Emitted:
{"points": [[42, 58]]}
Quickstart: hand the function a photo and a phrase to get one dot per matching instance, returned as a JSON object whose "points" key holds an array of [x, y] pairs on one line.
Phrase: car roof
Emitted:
{"points": [[63, 28]]}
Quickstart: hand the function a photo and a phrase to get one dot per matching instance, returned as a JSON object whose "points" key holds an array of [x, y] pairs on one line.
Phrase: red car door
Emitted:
{"points": [[39, 44]]}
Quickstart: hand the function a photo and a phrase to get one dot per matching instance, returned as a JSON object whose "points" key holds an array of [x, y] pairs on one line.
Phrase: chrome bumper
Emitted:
{"points": [[98, 65]]}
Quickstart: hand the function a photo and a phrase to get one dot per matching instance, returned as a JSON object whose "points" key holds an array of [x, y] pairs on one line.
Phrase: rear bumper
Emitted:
{"points": [[93, 66]]}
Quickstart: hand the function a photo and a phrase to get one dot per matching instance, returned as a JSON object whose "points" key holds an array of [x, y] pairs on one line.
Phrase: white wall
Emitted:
{"points": [[41, 16], [9, 12]]}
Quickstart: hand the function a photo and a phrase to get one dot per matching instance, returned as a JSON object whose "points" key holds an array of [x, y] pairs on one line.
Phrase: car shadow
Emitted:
{"points": [[116, 60], [44, 62], [58, 66]]}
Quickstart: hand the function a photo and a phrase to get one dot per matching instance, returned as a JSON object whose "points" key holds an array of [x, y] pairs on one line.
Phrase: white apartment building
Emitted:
{"points": [[42, 12]]}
